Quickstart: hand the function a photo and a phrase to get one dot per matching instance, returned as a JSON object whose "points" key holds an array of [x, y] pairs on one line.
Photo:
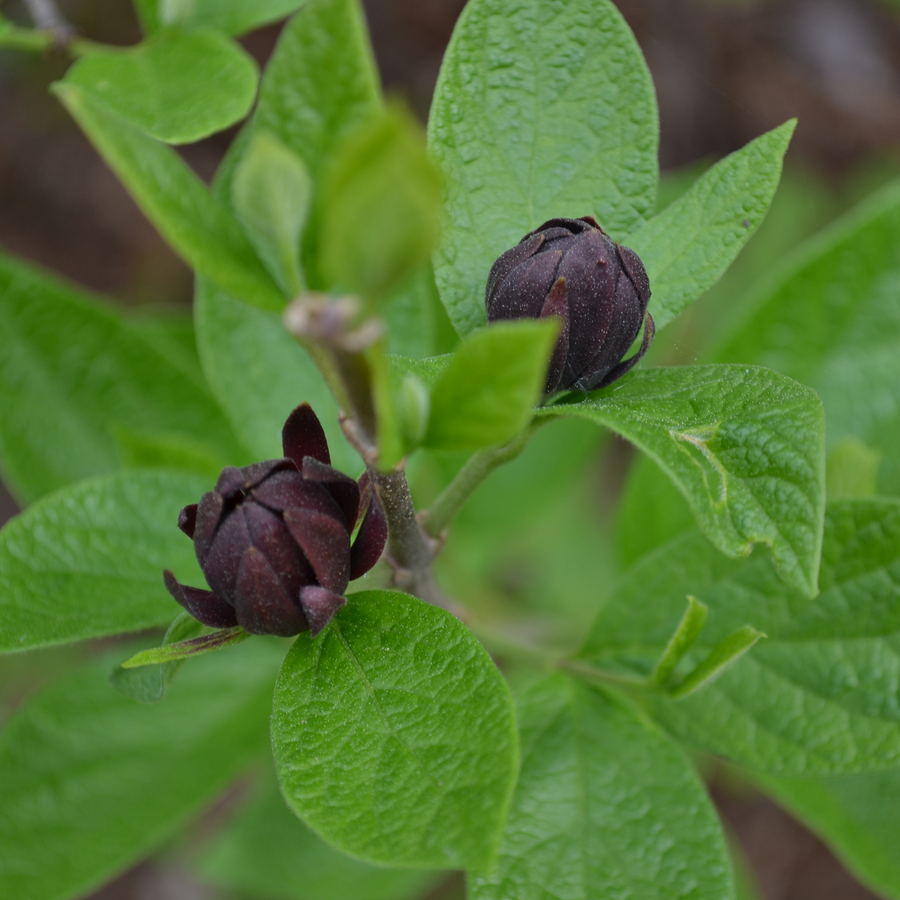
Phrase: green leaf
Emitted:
{"points": [[688, 246], [231, 16], [260, 374], [684, 637], [744, 446], [266, 851], [541, 110], [606, 806], [93, 782], [851, 470], [415, 321], [725, 654], [87, 561], [378, 208], [829, 317], [488, 392], [858, 817], [651, 512], [180, 650], [152, 451], [199, 228], [818, 698], [412, 404], [73, 370], [271, 194], [394, 736], [177, 86], [321, 83], [150, 684]]}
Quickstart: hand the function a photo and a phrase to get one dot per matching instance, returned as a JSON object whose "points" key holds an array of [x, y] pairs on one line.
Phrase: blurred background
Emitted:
{"points": [[724, 71]]}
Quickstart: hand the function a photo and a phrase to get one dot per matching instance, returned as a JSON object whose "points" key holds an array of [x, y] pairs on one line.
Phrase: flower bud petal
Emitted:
{"points": [[227, 548], [370, 540], [320, 605], [209, 515], [557, 305], [261, 603], [342, 488], [325, 543], [275, 531], [521, 294], [204, 606], [528, 246], [273, 539], [303, 435], [572, 269], [187, 519]]}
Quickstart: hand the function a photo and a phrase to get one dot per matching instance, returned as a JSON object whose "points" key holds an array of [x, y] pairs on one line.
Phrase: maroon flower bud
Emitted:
{"points": [[273, 538], [569, 268]]}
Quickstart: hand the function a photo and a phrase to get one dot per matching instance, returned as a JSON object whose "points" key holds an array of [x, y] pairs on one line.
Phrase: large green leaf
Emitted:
{"points": [[488, 390], [177, 86], [651, 512], [858, 817], [606, 806], [87, 561], [830, 318], [73, 371], [231, 16], [266, 851], [382, 182], [542, 109], [688, 246], [819, 695], [744, 446], [260, 373], [319, 88], [93, 781], [270, 194], [319, 85], [321, 82], [199, 228], [394, 736]]}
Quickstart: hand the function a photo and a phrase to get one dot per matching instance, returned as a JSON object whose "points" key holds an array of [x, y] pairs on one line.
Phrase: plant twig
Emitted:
{"points": [[410, 552], [47, 17]]}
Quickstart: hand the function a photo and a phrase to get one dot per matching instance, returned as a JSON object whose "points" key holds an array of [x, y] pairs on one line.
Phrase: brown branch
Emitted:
{"points": [[47, 17]]}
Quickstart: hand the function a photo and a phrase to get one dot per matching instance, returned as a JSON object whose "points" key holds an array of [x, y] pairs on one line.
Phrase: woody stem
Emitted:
{"points": [[411, 551]]}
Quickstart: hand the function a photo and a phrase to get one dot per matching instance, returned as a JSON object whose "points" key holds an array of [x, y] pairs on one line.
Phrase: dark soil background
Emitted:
{"points": [[725, 72]]}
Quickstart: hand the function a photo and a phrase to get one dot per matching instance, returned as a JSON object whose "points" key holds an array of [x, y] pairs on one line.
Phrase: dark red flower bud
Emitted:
{"points": [[570, 268], [273, 538]]}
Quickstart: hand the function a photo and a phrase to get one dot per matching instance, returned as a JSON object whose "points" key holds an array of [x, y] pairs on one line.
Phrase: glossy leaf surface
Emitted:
{"points": [[73, 371], [230, 16], [378, 208], [200, 229], [260, 373], [267, 851], [605, 806], [818, 696], [542, 109], [394, 736], [829, 317], [688, 246], [177, 86], [744, 446], [87, 561], [489, 388], [93, 781]]}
